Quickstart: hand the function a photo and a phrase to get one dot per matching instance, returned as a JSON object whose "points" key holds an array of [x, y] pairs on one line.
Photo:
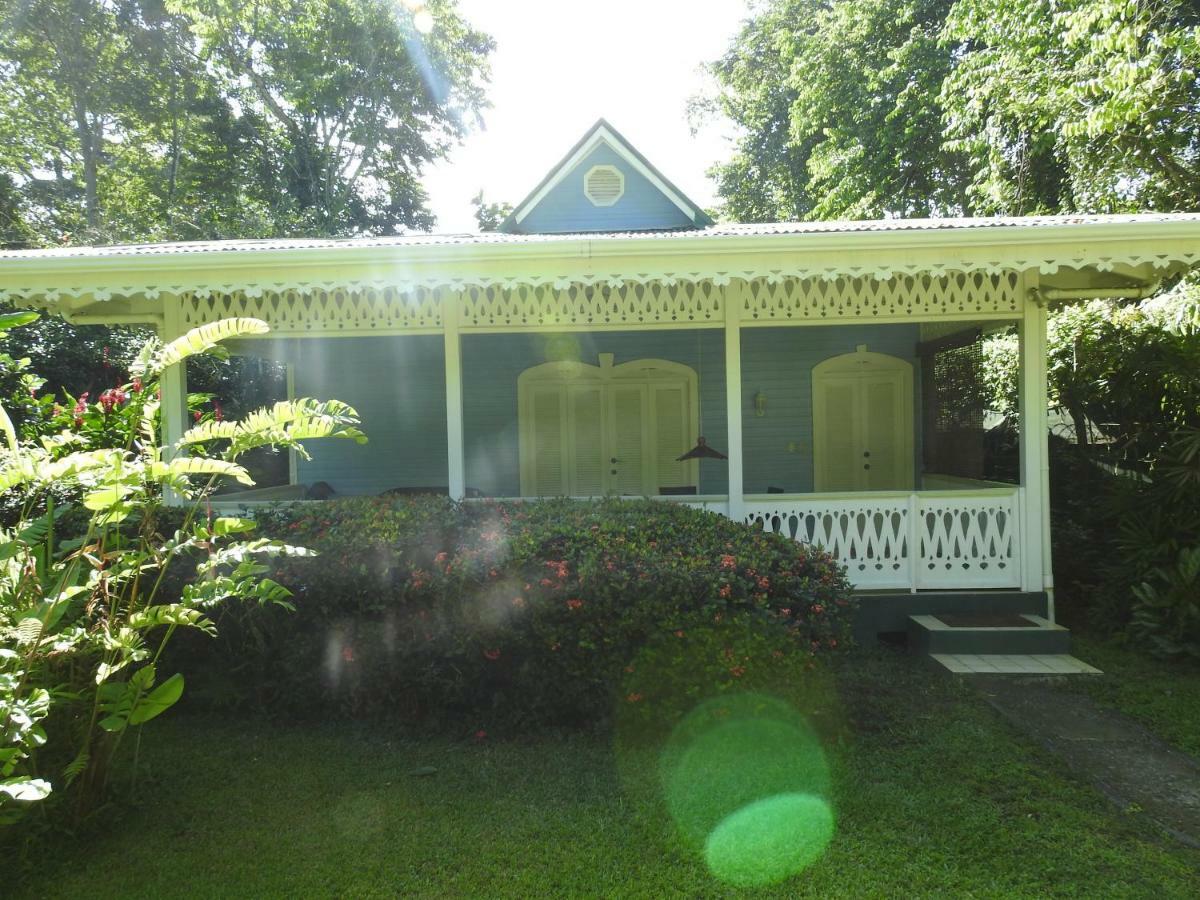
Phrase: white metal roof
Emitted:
{"points": [[416, 240], [1073, 251]]}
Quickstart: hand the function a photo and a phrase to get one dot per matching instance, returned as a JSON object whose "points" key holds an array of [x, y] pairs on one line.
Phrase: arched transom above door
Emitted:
{"points": [[591, 430]]}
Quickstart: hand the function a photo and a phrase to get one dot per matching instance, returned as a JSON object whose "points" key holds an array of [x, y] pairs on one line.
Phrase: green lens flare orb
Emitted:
{"points": [[770, 840], [746, 781]]}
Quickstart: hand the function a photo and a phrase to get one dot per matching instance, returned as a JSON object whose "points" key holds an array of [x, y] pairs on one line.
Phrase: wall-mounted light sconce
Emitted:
{"points": [[760, 404]]}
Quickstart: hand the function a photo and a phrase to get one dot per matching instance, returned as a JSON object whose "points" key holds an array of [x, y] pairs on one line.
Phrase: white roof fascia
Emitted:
{"points": [[1045, 247]]}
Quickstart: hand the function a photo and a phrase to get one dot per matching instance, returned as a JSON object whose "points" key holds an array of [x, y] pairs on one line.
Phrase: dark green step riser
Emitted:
{"points": [[879, 613], [1032, 640]]}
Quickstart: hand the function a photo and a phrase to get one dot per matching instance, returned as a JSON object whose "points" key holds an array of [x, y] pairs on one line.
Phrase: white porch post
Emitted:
{"points": [[456, 454], [1035, 459], [733, 398], [173, 383]]}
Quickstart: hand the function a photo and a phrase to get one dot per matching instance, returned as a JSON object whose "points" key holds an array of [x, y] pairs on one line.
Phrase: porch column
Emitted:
{"points": [[1035, 459], [173, 383], [456, 455], [733, 397]]}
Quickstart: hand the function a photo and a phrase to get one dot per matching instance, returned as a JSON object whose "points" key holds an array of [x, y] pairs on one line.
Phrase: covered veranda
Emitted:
{"points": [[734, 301]]}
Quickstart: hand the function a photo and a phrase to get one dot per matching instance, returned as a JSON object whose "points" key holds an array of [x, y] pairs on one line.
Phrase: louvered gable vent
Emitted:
{"points": [[603, 185]]}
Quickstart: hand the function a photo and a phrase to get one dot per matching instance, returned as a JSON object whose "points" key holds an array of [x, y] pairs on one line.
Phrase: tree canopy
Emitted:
{"points": [[184, 119], [869, 108]]}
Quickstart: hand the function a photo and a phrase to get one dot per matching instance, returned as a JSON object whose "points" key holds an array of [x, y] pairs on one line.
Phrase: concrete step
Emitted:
{"points": [[888, 611], [928, 634]]}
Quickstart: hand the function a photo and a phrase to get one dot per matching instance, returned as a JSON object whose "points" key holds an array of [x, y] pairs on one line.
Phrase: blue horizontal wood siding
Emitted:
{"points": [[398, 386], [492, 362], [566, 209], [778, 362]]}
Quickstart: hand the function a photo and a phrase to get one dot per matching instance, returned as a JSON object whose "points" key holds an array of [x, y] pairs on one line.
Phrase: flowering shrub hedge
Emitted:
{"points": [[547, 612]]}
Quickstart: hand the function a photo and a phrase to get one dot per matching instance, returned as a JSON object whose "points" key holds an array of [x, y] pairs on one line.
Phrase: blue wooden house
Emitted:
{"points": [[816, 379]]}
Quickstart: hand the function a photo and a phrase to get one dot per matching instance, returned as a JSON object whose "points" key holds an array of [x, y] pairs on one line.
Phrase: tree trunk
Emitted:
{"points": [[1082, 437], [88, 147]]}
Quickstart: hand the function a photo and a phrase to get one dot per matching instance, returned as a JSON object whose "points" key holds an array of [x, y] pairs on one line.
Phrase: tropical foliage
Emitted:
{"points": [[84, 617]]}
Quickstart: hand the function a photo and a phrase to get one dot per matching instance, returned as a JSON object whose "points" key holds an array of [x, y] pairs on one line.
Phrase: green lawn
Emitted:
{"points": [[934, 795], [1163, 696]]}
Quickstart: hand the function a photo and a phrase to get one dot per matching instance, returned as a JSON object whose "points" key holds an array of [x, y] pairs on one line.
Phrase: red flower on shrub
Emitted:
{"points": [[481, 735], [726, 591], [679, 633], [492, 655], [574, 603], [196, 416], [817, 609], [111, 398], [137, 384], [518, 602], [737, 671], [728, 562], [634, 698]]}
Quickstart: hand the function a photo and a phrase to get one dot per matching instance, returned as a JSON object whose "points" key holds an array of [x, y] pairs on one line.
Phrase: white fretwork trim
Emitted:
{"points": [[322, 311], [681, 304], [915, 296], [939, 539], [625, 303]]}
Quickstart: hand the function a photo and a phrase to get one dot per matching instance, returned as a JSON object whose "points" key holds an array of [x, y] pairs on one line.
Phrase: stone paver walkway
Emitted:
{"points": [[1131, 766], [1013, 664]]}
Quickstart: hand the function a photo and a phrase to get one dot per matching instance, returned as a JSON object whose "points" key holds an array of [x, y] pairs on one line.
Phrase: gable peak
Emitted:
{"points": [[604, 184]]}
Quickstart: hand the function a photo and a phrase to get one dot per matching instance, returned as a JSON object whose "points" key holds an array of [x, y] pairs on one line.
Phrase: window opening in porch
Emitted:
{"points": [[230, 389], [962, 436]]}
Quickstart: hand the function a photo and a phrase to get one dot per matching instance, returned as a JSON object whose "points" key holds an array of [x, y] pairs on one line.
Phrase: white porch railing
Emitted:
{"points": [[928, 539], [938, 539]]}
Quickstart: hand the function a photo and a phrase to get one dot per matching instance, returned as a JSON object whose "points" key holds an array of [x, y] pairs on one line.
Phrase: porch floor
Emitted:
{"points": [[1013, 664]]}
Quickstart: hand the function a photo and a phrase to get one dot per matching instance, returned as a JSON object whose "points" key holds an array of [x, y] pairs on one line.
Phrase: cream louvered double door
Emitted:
{"points": [[588, 431], [863, 423]]}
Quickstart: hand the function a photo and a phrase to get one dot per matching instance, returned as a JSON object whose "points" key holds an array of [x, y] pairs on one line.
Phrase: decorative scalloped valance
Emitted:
{"points": [[629, 304]]}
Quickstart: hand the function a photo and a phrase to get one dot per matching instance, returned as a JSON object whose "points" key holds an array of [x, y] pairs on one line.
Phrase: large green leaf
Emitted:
{"points": [[200, 465], [223, 526], [158, 700], [10, 433], [198, 340], [284, 424], [171, 614], [106, 497], [17, 319], [25, 790]]}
